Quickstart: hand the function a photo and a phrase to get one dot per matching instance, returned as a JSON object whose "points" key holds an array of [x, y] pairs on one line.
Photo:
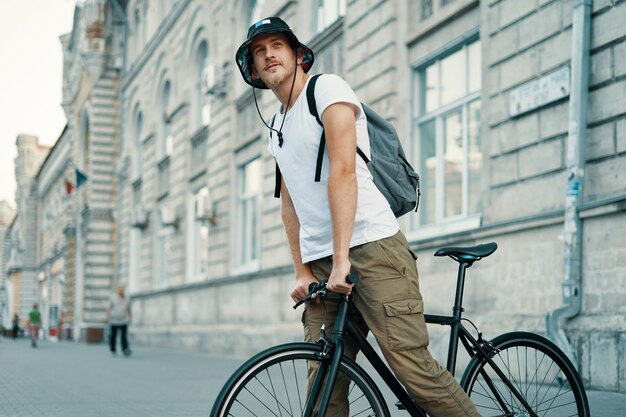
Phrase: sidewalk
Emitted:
{"points": [[70, 379]]}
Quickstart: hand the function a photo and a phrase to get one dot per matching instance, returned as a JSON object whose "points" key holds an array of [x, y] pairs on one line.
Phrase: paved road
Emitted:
{"points": [[76, 380]]}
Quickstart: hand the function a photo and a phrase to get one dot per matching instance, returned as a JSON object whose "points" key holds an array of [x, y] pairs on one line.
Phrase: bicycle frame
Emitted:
{"points": [[458, 332]]}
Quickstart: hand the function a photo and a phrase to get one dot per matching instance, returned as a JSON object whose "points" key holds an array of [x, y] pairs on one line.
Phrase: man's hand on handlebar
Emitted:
{"points": [[318, 290], [301, 289], [337, 281]]}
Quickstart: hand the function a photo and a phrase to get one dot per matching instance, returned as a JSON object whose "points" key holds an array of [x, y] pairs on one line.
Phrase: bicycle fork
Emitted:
{"points": [[326, 374]]}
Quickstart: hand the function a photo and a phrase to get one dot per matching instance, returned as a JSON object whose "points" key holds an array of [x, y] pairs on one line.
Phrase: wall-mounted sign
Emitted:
{"points": [[539, 92]]}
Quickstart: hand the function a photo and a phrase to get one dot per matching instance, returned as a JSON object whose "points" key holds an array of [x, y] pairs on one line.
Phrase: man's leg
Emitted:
{"points": [[113, 338], [34, 330], [124, 330], [390, 301]]}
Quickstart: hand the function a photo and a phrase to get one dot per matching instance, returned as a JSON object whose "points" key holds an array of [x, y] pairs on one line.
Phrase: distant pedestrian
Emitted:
{"points": [[34, 323], [16, 326], [118, 316]]}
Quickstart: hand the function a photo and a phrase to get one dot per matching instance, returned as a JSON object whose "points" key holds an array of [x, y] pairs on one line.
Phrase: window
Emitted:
{"points": [[164, 178], [161, 252], [167, 140], [135, 244], [138, 29], [198, 153], [138, 142], [200, 235], [256, 7], [205, 77], [327, 12], [161, 261], [249, 192], [447, 129]]}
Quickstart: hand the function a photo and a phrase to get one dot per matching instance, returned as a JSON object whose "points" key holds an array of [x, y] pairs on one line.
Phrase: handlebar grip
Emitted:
{"points": [[353, 278]]}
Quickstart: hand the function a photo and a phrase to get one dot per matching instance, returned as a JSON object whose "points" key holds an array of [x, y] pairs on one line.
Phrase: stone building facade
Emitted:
{"points": [[201, 241], [91, 74], [55, 187], [20, 279], [7, 214], [179, 204]]}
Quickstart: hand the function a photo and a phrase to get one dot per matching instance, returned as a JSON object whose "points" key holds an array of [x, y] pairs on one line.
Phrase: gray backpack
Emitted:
{"points": [[392, 173]]}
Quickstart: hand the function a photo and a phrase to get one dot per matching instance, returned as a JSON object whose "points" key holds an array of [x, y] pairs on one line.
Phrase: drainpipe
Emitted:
{"points": [[576, 144]]}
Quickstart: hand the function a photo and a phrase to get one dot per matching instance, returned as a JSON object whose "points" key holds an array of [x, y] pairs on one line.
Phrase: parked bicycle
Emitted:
{"points": [[517, 374]]}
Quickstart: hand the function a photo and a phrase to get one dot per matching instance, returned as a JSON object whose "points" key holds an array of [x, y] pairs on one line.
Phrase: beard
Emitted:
{"points": [[274, 79]]}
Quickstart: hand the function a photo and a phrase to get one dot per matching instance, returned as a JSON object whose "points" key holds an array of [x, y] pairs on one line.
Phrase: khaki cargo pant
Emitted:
{"points": [[389, 299]]}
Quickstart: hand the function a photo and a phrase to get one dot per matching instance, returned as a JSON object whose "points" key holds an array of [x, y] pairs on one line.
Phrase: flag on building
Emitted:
{"points": [[69, 187], [81, 178]]}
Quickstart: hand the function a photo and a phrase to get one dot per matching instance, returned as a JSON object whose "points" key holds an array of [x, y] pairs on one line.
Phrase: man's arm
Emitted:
{"points": [[304, 276], [340, 128]]}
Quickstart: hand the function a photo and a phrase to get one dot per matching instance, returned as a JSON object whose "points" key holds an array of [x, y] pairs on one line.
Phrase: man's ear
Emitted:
{"points": [[253, 73], [299, 55]]}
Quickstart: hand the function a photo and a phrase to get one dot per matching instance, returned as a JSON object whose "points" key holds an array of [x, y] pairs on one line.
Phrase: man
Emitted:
{"points": [[34, 323], [343, 223], [118, 316]]}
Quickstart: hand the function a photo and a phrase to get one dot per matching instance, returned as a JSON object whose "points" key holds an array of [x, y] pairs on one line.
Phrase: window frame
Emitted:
{"points": [[138, 127], [196, 272], [465, 220], [242, 263], [202, 113], [319, 27], [160, 265], [166, 141]]}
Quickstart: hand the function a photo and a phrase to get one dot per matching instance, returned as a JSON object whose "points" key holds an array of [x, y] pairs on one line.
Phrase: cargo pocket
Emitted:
{"points": [[406, 328]]}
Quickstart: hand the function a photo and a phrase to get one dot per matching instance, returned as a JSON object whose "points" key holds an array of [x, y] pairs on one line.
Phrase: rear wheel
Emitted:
{"points": [[537, 368], [274, 383]]}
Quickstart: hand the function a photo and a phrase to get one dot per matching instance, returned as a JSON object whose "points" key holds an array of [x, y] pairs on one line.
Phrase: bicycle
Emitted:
{"points": [[516, 374]]}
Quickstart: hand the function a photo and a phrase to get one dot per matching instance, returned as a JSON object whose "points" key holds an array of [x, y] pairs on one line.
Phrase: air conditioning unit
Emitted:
{"points": [[208, 79], [214, 80], [139, 218], [205, 209], [169, 216]]}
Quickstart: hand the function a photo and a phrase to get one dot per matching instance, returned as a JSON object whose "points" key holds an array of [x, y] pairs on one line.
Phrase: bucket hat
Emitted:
{"points": [[268, 25]]}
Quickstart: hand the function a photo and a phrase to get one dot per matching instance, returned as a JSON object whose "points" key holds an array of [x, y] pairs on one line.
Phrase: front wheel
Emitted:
{"points": [[537, 368], [274, 383]]}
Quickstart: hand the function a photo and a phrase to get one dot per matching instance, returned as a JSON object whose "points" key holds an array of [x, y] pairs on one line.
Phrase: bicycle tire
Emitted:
{"points": [[274, 383], [537, 367]]}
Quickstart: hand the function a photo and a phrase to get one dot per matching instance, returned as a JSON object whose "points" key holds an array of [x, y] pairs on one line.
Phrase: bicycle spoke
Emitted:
{"points": [[274, 392], [272, 395], [536, 369], [265, 388], [286, 389], [295, 378]]}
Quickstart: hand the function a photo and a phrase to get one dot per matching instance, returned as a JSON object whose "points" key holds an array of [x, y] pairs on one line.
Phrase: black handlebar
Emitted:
{"points": [[318, 289]]}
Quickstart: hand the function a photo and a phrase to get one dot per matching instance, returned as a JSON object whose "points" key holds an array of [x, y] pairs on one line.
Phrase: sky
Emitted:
{"points": [[31, 71]]}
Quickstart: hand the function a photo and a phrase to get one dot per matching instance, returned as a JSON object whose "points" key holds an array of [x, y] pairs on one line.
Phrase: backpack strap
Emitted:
{"points": [[278, 174], [277, 184], [310, 97]]}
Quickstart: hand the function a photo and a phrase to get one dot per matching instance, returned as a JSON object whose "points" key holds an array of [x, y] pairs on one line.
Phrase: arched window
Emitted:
{"points": [[137, 35], [138, 142], [205, 76], [167, 141]]}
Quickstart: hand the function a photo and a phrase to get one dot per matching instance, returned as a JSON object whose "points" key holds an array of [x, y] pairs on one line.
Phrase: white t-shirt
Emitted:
{"points": [[118, 313], [297, 159]]}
